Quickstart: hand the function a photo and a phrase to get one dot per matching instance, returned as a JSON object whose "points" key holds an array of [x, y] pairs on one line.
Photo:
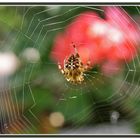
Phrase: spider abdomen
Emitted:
{"points": [[74, 69], [74, 76]]}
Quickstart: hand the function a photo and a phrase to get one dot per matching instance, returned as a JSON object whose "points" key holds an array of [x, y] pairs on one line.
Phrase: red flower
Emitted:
{"points": [[75, 32], [112, 40], [125, 48]]}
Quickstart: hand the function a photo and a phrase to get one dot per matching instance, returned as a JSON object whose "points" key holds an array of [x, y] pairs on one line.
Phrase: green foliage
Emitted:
{"points": [[42, 86]]}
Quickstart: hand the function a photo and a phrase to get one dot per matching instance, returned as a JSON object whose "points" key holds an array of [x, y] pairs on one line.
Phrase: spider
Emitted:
{"points": [[74, 70]]}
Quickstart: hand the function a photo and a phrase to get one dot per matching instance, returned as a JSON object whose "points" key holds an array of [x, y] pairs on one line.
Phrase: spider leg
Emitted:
{"points": [[60, 68], [75, 49], [64, 63], [87, 66]]}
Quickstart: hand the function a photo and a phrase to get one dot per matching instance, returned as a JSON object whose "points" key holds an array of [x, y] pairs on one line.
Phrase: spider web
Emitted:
{"points": [[20, 96]]}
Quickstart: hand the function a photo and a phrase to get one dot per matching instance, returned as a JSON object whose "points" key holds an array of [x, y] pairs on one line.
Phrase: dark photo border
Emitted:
{"points": [[64, 4]]}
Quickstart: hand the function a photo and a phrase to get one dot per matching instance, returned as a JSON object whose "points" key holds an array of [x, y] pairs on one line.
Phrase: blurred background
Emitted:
{"points": [[35, 97]]}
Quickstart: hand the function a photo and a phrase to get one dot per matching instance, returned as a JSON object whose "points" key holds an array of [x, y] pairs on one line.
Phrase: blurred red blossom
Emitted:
{"points": [[108, 41]]}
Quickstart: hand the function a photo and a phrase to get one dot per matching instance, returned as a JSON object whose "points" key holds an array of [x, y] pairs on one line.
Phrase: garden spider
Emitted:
{"points": [[74, 70]]}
